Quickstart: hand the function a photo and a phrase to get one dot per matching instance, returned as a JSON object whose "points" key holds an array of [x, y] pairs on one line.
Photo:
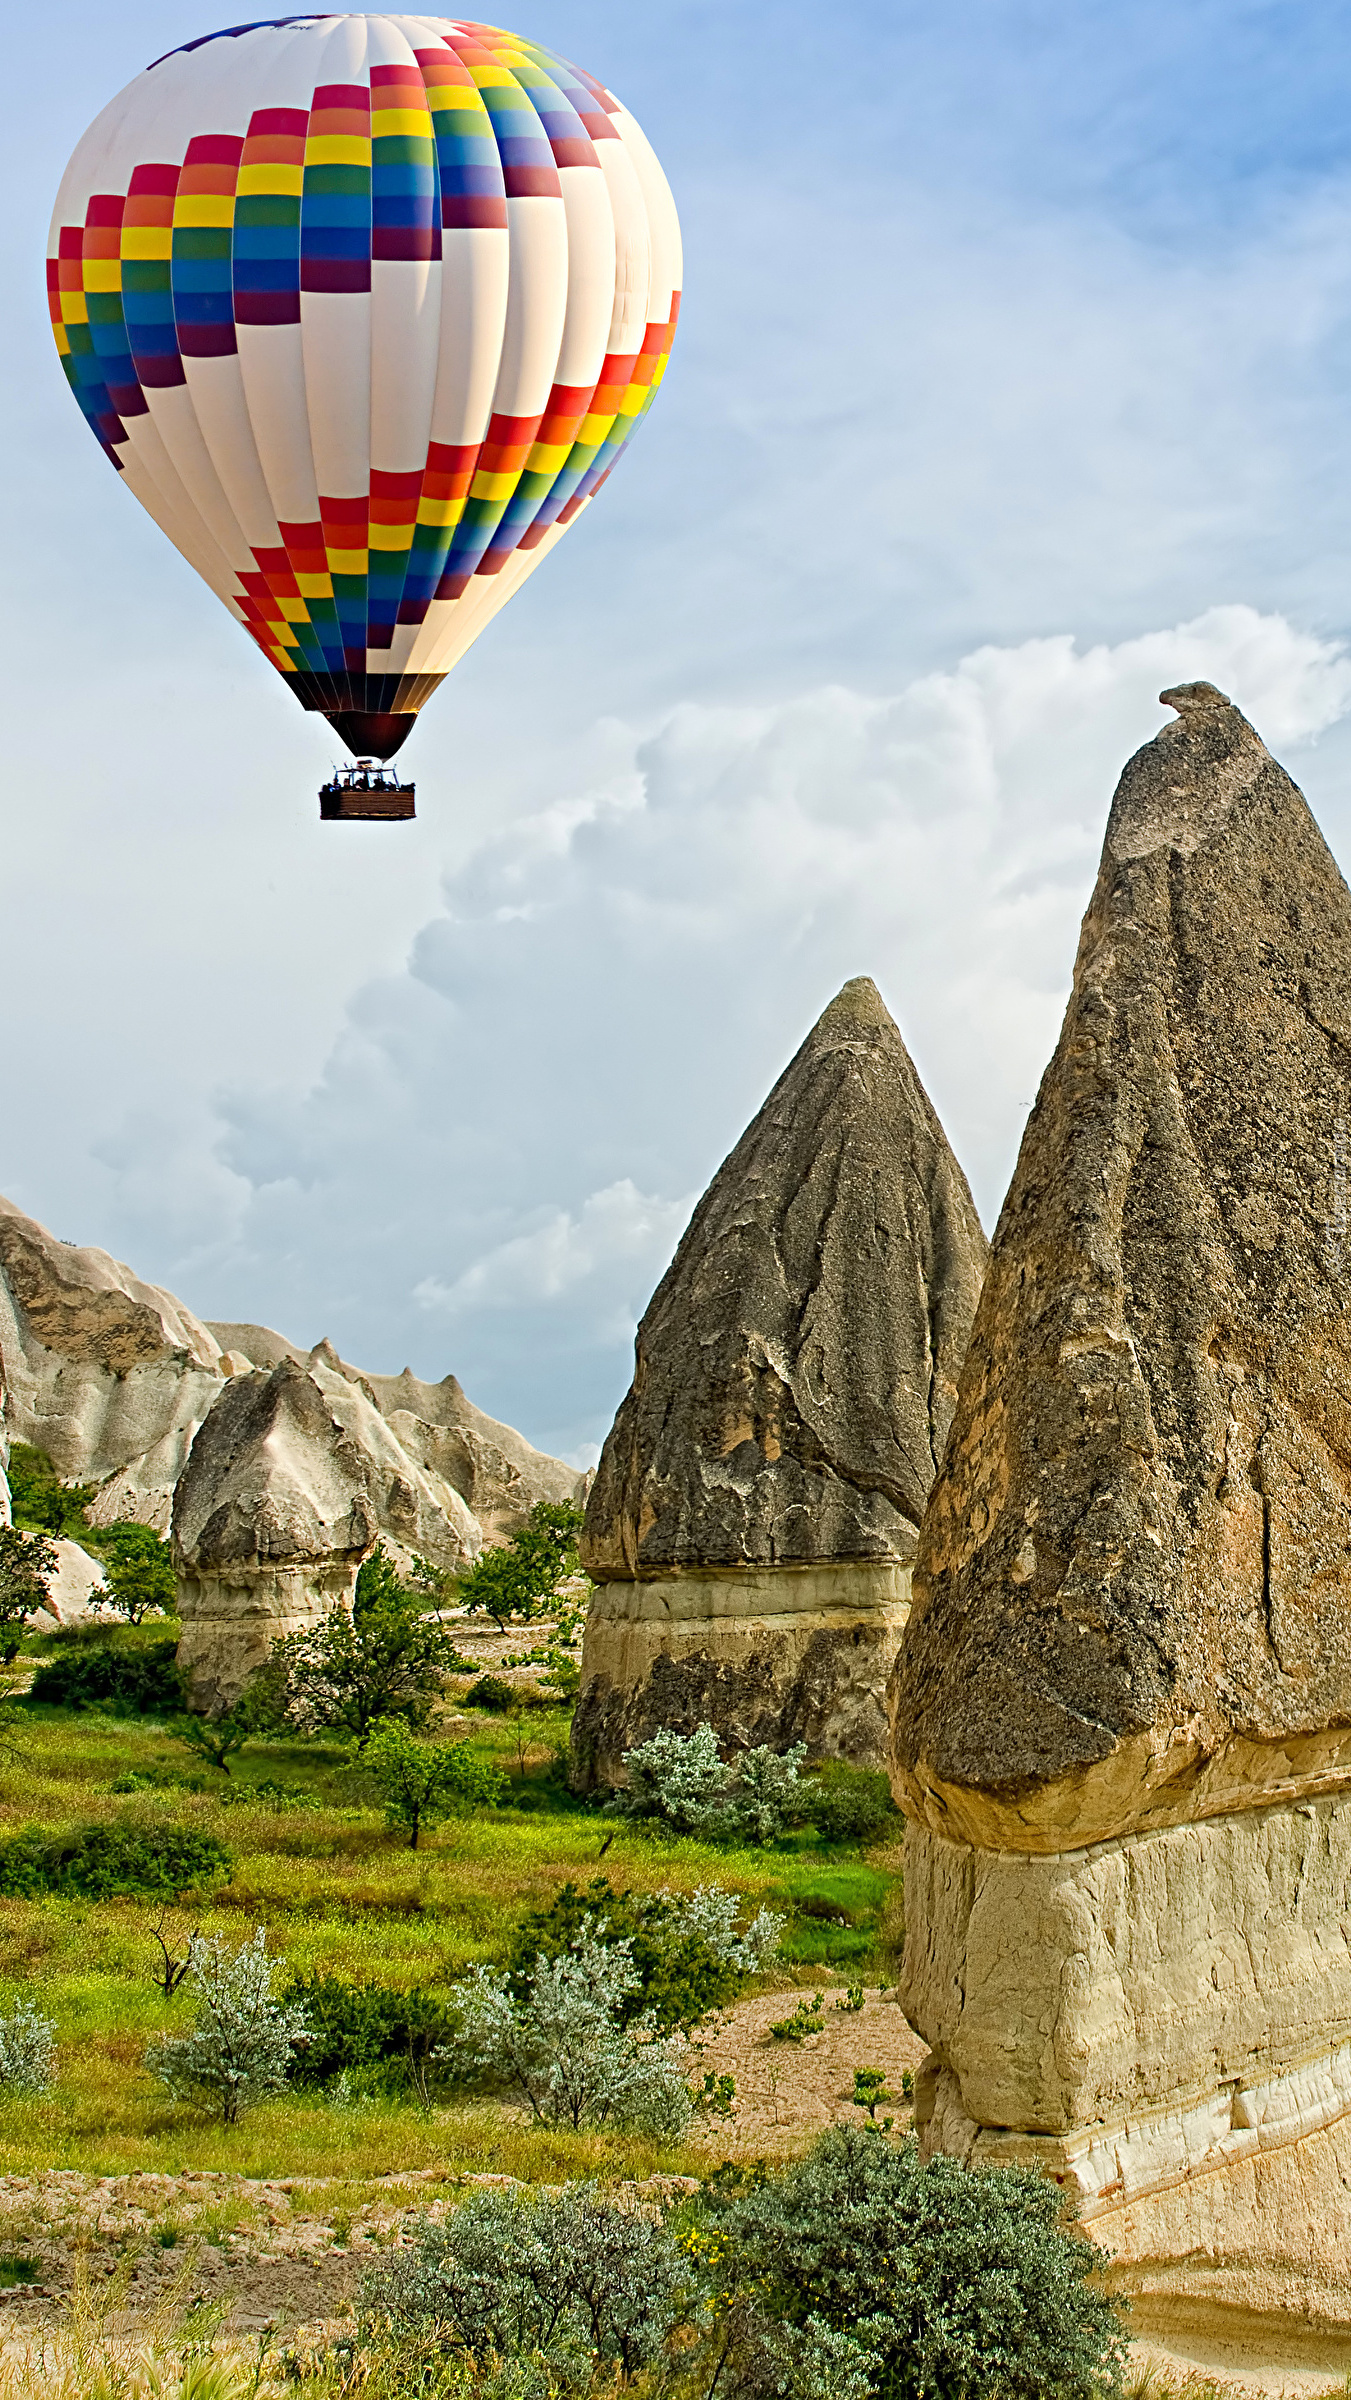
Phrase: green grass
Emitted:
{"points": [[337, 1891]]}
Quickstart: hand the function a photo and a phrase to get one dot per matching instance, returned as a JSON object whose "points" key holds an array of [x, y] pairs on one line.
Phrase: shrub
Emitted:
{"points": [[572, 2280], [216, 1739], [28, 1562], [946, 2281], [849, 1804], [139, 1570], [418, 1780], [681, 1780], [97, 1861], [520, 1580], [491, 1692], [351, 1672], [381, 2039], [241, 2046], [144, 1681], [561, 2042], [27, 2051], [688, 1954]]}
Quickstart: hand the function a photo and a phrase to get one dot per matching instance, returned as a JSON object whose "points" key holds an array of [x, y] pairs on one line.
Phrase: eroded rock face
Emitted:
{"points": [[1122, 1706], [109, 1375], [289, 1483], [755, 1508], [1135, 1568], [496, 1472]]}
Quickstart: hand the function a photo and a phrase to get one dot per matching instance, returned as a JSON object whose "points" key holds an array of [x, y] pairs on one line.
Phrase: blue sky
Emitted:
{"points": [[1011, 383]]}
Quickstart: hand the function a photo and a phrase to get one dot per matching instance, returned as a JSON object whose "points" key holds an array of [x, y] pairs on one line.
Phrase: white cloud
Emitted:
{"points": [[503, 1141], [615, 1230]]}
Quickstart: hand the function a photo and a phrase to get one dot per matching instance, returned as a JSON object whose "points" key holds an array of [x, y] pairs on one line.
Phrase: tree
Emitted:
{"points": [[38, 1497], [950, 2284], [689, 1953], [216, 1739], [27, 1563], [420, 1780], [561, 2044], [139, 1571], [240, 2048], [521, 1579], [352, 1672]]}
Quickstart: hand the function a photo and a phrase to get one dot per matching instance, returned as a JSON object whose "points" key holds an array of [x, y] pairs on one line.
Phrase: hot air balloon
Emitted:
{"points": [[364, 309]]}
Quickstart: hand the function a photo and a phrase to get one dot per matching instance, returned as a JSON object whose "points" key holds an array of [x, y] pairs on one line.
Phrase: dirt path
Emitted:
{"points": [[786, 2092]]}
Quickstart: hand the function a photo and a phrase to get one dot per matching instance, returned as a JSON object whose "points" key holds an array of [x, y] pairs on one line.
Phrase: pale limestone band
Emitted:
{"points": [[1131, 2013], [773, 1597]]}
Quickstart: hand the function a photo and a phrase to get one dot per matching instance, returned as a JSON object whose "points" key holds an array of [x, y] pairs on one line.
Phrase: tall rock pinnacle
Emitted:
{"points": [[1122, 1704], [795, 1374], [1141, 1530]]}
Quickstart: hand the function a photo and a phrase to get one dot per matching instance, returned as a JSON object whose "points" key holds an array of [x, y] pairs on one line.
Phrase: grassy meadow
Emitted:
{"points": [[338, 1891]]}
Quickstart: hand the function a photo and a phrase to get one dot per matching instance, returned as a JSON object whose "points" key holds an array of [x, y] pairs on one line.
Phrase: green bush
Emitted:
{"points": [[97, 1861], [688, 1955], [382, 2040], [355, 1670], [143, 1681], [491, 1692], [139, 1570], [27, 1564], [947, 2284], [849, 1804]]}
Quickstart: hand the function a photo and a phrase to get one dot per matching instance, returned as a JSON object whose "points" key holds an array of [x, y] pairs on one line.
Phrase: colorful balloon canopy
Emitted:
{"points": [[364, 309]]}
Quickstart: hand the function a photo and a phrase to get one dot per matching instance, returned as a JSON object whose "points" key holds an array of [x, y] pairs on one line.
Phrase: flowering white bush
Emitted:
{"points": [[27, 2051], [562, 2046], [240, 2048]]}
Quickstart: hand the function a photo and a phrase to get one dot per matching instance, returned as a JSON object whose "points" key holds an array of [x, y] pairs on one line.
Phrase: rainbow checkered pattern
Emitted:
{"points": [[345, 330]]}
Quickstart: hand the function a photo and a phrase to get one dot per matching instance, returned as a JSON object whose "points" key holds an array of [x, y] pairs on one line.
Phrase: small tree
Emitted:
{"points": [[27, 2051], [520, 1580], [139, 1571], [562, 2044], [240, 2048], [351, 1672], [421, 1780], [216, 1739], [39, 1498], [27, 1563]]}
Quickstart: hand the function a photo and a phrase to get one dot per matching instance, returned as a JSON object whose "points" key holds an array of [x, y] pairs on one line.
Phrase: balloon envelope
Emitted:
{"points": [[363, 309]]}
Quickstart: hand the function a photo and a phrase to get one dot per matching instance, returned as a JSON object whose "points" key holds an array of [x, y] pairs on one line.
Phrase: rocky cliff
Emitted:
{"points": [[1122, 1706], [754, 1513]]}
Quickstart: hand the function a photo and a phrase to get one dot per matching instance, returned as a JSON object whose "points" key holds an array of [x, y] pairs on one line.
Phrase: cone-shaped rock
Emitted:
{"points": [[754, 1513], [1122, 1706]]}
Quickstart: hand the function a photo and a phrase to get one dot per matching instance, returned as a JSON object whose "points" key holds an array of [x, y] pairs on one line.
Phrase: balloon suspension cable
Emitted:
{"points": [[367, 789]]}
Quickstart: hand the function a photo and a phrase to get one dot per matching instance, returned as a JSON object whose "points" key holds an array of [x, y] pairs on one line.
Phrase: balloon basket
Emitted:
{"points": [[367, 790]]}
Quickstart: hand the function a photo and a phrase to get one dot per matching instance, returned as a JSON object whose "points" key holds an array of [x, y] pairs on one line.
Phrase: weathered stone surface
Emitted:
{"points": [[1122, 1705], [496, 1472], [109, 1375], [288, 1485], [75, 1591], [1133, 1591], [794, 1377]]}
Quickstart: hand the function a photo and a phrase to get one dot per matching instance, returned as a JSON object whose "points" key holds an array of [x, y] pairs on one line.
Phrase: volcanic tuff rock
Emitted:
{"points": [[1131, 1598], [1122, 1706], [754, 1512], [288, 1485], [494, 1469], [109, 1375]]}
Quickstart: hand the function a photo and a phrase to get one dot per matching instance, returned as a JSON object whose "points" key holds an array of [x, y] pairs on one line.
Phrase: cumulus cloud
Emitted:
{"points": [[504, 1144]]}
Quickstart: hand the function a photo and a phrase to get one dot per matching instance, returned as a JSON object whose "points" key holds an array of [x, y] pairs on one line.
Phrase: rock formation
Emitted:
{"points": [[495, 1471], [753, 1518], [109, 1375], [290, 1480], [1122, 1707]]}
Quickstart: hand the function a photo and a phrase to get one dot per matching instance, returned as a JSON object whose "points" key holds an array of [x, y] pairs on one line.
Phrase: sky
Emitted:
{"points": [[1011, 385]]}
